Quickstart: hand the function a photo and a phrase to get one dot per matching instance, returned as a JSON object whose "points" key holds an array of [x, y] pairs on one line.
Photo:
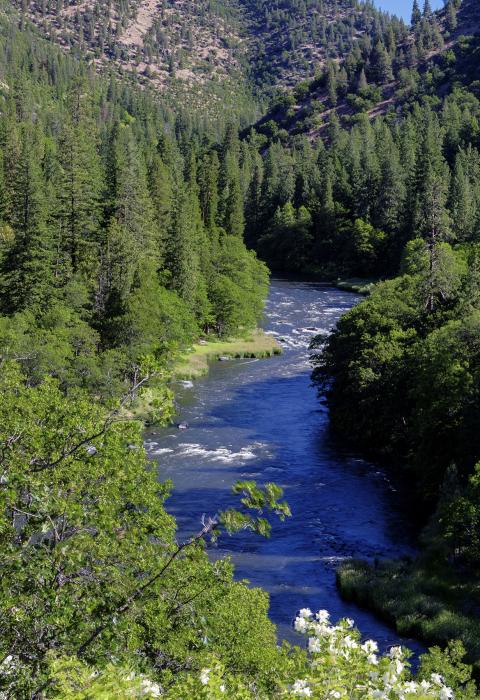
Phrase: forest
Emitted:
{"points": [[137, 219]]}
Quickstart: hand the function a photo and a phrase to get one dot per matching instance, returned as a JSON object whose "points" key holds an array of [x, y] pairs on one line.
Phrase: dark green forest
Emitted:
{"points": [[139, 210]]}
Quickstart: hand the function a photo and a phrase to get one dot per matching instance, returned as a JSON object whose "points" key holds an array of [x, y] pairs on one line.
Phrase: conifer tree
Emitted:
{"points": [[254, 200], [160, 187], [79, 203], [132, 205], [231, 206], [27, 267], [462, 201], [451, 16], [208, 180], [182, 248], [381, 64], [416, 14]]}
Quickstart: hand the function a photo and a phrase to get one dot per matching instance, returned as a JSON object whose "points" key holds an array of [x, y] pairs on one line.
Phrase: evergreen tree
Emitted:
{"points": [[27, 267], [416, 14], [132, 204], [160, 187], [462, 202], [79, 208], [231, 206], [427, 10], [208, 179], [381, 64]]}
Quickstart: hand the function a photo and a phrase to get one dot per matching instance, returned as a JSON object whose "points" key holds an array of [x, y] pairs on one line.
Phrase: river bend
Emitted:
{"points": [[262, 420]]}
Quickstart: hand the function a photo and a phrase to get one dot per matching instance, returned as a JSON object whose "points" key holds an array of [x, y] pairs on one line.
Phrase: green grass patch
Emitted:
{"points": [[419, 599], [360, 285], [194, 363]]}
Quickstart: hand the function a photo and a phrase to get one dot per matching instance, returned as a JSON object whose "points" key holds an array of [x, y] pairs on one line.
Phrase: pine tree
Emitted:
{"points": [[362, 80], [231, 206], [427, 10], [132, 205], [27, 274], [434, 222], [208, 179], [254, 201], [462, 201], [451, 16], [332, 84], [416, 14], [160, 187], [79, 187], [389, 209], [182, 250], [381, 64]]}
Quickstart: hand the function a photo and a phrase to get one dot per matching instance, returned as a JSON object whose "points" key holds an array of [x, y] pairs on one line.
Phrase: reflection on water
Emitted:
{"points": [[261, 419]]}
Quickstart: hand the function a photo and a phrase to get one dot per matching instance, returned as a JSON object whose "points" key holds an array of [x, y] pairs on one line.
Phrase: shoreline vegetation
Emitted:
{"points": [[194, 363], [400, 365], [419, 599], [359, 285]]}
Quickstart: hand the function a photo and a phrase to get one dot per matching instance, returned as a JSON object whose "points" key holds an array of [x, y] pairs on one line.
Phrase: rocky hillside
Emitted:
{"points": [[380, 75], [214, 52]]}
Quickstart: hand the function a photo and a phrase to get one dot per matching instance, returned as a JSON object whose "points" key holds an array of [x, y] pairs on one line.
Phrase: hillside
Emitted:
{"points": [[211, 55], [379, 76]]}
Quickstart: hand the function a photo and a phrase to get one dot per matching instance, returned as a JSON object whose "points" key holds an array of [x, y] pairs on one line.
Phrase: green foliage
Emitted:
{"points": [[92, 569], [423, 599], [110, 250]]}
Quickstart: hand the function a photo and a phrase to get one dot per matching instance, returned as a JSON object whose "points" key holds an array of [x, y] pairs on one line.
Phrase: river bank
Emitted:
{"points": [[420, 598], [194, 363], [358, 285]]}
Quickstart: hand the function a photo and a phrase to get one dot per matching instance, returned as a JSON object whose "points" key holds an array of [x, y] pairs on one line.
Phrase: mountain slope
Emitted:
{"points": [[216, 52], [380, 76]]}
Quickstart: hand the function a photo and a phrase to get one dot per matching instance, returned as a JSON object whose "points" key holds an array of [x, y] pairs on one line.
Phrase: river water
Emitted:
{"points": [[262, 420]]}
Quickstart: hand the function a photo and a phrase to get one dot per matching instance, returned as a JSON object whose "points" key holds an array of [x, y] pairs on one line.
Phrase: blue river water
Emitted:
{"points": [[262, 420]]}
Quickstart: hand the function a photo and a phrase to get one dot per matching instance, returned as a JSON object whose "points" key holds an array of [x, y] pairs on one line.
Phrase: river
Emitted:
{"points": [[262, 420]]}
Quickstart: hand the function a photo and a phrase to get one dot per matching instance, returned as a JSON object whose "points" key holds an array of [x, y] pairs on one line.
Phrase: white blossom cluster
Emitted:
{"points": [[342, 666]]}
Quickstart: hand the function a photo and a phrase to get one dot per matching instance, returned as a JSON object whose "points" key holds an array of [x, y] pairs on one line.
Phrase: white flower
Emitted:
{"points": [[396, 653], [323, 615], [314, 645], [445, 693], [398, 666], [349, 622], [425, 685], [300, 624], [335, 694], [370, 646], [322, 630], [301, 688], [389, 679], [372, 659], [205, 676], [410, 687], [436, 678], [350, 643], [305, 612], [222, 688], [150, 689]]}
